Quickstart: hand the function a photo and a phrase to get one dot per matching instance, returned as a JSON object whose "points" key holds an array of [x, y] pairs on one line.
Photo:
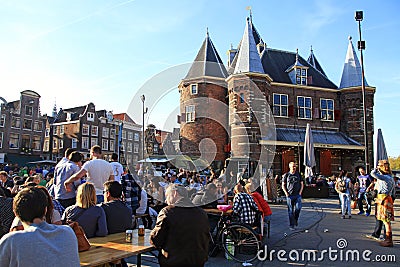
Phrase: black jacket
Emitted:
{"points": [[182, 235]]}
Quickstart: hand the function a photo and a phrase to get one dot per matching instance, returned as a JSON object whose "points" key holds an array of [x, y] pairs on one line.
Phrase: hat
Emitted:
{"points": [[26, 175]]}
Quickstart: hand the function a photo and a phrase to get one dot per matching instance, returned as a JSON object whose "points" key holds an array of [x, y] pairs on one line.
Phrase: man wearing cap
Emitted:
{"points": [[181, 232]]}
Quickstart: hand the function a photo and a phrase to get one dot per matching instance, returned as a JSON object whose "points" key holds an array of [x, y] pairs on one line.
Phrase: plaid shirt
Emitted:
{"points": [[245, 207], [58, 207], [6, 215], [131, 191]]}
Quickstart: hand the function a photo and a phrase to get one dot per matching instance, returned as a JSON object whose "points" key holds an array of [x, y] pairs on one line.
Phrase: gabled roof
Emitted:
{"points": [[248, 59], [296, 63], [351, 75], [314, 62], [276, 62], [123, 117], [207, 62], [14, 104], [78, 110], [101, 113], [75, 112]]}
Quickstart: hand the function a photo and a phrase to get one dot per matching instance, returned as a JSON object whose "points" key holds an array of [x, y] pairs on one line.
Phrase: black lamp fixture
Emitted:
{"points": [[359, 15]]}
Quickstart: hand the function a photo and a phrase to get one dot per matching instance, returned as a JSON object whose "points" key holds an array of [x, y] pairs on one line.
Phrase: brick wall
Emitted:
{"points": [[211, 120]]}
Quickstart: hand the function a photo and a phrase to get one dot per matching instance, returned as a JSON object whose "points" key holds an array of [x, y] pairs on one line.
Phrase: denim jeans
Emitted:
{"points": [[345, 202], [294, 208], [362, 196]]}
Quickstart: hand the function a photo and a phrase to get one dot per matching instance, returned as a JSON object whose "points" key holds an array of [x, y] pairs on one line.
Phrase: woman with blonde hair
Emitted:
{"points": [[384, 209], [91, 217]]}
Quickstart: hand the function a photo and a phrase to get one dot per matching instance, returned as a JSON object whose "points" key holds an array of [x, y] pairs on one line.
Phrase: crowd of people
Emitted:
{"points": [[378, 186], [104, 199]]}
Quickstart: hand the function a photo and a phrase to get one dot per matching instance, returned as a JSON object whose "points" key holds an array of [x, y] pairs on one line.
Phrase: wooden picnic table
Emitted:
{"points": [[217, 211], [114, 247]]}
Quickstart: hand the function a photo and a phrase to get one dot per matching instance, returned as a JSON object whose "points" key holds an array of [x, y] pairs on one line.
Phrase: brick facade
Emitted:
{"points": [[210, 119]]}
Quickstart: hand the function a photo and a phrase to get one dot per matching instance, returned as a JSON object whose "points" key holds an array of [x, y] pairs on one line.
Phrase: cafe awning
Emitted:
{"points": [[21, 160], [155, 160], [322, 139]]}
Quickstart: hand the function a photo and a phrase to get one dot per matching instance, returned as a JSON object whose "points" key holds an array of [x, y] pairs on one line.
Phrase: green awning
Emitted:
{"points": [[21, 160]]}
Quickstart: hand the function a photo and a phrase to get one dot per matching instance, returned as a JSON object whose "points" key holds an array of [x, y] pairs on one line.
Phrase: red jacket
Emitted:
{"points": [[262, 204]]}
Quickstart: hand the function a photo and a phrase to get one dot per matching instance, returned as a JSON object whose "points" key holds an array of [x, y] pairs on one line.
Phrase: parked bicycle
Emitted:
{"points": [[239, 241]]}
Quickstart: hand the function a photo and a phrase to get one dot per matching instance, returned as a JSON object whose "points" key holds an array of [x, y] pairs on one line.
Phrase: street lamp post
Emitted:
{"points": [[144, 111], [361, 46]]}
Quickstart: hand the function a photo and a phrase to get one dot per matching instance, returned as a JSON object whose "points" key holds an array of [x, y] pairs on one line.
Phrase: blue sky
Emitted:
{"points": [[75, 52]]}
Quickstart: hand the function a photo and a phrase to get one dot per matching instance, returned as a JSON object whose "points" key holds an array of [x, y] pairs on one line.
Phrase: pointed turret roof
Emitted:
{"points": [[314, 62], [351, 75], [248, 59], [207, 62]]}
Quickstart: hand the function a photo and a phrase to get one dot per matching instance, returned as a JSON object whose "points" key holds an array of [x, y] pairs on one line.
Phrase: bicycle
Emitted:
{"points": [[239, 241]]}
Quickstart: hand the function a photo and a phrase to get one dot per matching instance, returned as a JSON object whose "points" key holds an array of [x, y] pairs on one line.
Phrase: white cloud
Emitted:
{"points": [[319, 15]]}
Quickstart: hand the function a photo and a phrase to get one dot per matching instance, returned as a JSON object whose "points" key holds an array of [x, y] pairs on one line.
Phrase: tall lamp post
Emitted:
{"points": [[144, 111], [361, 46]]}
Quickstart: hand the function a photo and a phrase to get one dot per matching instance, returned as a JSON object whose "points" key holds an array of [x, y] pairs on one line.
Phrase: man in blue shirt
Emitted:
{"points": [[364, 181]]}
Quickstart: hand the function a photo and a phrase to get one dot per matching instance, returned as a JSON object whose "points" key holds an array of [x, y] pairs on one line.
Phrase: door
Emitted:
{"points": [[325, 161], [287, 157]]}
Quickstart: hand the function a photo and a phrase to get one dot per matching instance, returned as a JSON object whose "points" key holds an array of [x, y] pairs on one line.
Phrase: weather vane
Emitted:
{"points": [[249, 8]]}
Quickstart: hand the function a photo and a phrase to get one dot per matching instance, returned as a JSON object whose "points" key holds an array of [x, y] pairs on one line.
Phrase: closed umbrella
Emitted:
{"points": [[380, 148], [309, 156]]}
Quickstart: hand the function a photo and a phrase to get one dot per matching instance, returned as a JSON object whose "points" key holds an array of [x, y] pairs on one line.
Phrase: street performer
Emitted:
{"points": [[384, 210]]}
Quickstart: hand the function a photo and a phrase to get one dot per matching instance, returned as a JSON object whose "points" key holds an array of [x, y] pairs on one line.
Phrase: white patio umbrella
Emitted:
{"points": [[380, 148], [309, 156]]}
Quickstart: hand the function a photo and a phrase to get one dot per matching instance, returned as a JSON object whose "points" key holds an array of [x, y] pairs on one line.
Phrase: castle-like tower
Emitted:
{"points": [[249, 114], [204, 107], [351, 101], [255, 114]]}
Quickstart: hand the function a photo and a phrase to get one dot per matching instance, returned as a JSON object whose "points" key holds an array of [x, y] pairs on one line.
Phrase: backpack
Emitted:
{"points": [[341, 185]]}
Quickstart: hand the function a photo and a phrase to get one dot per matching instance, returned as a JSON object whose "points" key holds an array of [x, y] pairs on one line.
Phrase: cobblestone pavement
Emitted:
{"points": [[320, 228]]}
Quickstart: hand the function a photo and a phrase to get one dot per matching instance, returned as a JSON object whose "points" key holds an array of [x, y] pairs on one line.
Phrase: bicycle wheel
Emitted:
{"points": [[240, 242]]}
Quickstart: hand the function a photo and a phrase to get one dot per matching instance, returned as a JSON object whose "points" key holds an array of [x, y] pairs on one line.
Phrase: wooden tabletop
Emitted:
{"points": [[217, 211], [113, 247]]}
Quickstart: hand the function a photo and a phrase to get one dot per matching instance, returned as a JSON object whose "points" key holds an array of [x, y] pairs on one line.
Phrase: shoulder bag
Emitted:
{"points": [[83, 242]]}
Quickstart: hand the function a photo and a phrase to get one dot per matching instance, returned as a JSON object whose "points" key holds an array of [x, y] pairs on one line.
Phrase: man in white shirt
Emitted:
{"points": [[98, 171], [117, 167]]}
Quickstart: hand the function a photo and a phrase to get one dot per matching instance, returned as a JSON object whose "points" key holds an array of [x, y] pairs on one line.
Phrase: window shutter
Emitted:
{"points": [[178, 119], [309, 80], [316, 113], [291, 110], [337, 114], [227, 148], [183, 117]]}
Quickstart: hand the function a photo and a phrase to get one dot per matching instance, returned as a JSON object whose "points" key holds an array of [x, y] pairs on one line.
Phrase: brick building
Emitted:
{"points": [[21, 129], [264, 99], [82, 127]]}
